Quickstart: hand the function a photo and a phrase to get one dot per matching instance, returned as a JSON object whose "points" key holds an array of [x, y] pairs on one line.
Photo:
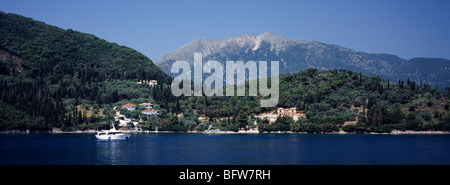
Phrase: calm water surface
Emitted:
{"points": [[240, 149]]}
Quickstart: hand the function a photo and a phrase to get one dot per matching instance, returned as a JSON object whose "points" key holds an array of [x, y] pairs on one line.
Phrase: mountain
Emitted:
{"points": [[295, 55], [47, 73]]}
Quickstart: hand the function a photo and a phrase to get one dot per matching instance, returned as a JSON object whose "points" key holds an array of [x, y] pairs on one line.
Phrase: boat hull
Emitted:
{"points": [[114, 137]]}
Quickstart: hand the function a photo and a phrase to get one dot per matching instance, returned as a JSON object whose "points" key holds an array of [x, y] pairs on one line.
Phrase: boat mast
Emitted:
{"points": [[113, 128]]}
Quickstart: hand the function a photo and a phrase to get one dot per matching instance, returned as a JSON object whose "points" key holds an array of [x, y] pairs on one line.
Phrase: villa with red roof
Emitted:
{"points": [[129, 106]]}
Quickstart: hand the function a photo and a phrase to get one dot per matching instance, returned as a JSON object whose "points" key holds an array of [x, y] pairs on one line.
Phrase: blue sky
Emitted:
{"points": [[407, 28]]}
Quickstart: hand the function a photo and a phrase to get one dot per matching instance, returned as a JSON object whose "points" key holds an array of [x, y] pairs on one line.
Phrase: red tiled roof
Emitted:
{"points": [[129, 105]]}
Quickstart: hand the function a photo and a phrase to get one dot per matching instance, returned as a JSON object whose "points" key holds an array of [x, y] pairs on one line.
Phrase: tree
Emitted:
{"points": [[283, 123], [241, 119], [377, 115], [436, 114], [426, 116], [340, 120], [328, 127], [412, 122], [165, 123], [309, 127], [263, 125], [394, 116], [349, 128]]}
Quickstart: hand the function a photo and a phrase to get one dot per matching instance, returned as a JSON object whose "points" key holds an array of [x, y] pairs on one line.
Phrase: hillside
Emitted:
{"points": [[56, 78], [328, 99], [46, 72], [295, 55], [43, 50]]}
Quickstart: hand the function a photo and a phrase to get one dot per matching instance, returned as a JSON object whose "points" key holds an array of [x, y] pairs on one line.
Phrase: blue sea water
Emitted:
{"points": [[227, 149]]}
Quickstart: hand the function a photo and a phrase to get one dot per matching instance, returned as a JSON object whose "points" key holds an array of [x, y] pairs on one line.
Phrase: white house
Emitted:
{"points": [[153, 82], [288, 111], [146, 105], [148, 82]]}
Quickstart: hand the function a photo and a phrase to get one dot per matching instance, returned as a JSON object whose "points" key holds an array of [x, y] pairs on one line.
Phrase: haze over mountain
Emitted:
{"points": [[295, 55]]}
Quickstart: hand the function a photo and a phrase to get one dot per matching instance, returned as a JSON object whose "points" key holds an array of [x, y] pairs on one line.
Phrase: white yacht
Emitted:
{"points": [[112, 134]]}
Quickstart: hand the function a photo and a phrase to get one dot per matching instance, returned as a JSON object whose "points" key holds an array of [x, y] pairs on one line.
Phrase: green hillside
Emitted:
{"points": [[328, 99], [46, 72], [56, 78]]}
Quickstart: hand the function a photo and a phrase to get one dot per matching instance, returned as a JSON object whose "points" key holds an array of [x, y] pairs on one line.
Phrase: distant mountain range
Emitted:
{"points": [[295, 55]]}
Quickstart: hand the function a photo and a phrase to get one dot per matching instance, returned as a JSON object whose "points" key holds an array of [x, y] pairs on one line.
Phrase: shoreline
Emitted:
{"points": [[58, 131], [410, 132]]}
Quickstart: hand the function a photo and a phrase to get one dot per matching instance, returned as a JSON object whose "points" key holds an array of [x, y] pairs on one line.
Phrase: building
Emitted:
{"points": [[147, 105], [153, 82], [288, 111], [150, 112], [148, 82], [129, 106]]}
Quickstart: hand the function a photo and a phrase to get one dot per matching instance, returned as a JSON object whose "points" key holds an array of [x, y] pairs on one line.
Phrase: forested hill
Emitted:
{"points": [[56, 78], [46, 71], [329, 100], [32, 49]]}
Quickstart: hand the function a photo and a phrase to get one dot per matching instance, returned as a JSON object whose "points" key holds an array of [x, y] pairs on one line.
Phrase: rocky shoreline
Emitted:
{"points": [[217, 131], [399, 132]]}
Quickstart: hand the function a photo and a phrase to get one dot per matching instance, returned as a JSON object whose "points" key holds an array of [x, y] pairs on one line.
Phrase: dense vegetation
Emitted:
{"points": [[55, 78], [329, 99], [47, 72]]}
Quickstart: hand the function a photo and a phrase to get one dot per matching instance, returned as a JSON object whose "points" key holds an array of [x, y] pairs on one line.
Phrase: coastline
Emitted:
{"points": [[408, 132], [217, 131]]}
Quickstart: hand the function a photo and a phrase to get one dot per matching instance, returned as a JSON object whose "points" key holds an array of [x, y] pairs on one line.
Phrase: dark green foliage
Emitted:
{"points": [[172, 123], [309, 128], [426, 116], [412, 121], [50, 77], [444, 124], [327, 108], [283, 123], [12, 119], [130, 114], [51, 51], [436, 114], [49, 71], [328, 128], [242, 119], [358, 128]]}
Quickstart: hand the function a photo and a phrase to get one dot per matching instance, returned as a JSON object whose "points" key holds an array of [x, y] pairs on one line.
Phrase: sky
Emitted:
{"points": [[406, 28]]}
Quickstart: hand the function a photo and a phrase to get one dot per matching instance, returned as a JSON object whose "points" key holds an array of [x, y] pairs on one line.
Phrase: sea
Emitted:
{"points": [[225, 149]]}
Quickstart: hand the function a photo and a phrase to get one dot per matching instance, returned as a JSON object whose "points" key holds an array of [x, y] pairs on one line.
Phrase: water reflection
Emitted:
{"points": [[141, 149], [110, 152], [271, 149]]}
